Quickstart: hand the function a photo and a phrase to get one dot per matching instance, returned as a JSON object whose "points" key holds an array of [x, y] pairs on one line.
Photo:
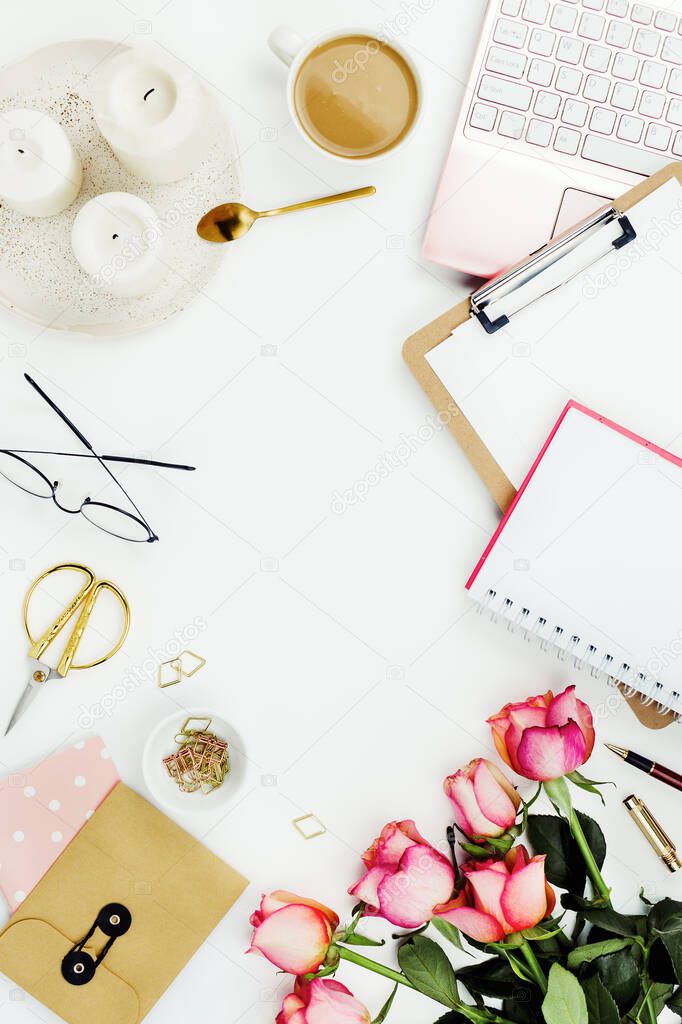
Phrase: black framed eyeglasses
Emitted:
{"points": [[112, 519]]}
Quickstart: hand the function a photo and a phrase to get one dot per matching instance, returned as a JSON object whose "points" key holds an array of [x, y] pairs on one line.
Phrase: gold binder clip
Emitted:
{"points": [[317, 828], [181, 668]]}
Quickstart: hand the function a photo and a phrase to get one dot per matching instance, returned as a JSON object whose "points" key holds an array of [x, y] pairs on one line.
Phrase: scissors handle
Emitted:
{"points": [[87, 597], [69, 654], [38, 647]]}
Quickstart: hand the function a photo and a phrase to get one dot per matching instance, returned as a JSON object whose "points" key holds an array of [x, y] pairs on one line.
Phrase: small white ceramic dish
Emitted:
{"points": [[161, 744], [39, 275]]}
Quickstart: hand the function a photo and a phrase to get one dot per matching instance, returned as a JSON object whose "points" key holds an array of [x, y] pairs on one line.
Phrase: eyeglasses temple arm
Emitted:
{"points": [[62, 415], [106, 458]]}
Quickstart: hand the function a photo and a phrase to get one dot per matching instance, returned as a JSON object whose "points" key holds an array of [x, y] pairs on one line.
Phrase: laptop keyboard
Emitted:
{"points": [[601, 79]]}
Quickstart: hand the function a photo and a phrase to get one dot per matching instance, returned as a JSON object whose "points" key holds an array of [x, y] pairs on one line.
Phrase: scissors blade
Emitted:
{"points": [[40, 673]]}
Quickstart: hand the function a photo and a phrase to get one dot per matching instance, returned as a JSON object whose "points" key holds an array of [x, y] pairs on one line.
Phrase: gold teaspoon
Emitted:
{"points": [[232, 220]]}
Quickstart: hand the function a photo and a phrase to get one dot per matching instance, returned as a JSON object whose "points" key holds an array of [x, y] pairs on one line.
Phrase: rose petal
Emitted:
{"points": [[281, 898], [366, 888], [332, 1003], [517, 858], [292, 1007], [565, 708], [487, 888], [477, 925], [495, 795], [408, 897], [295, 939], [395, 838], [467, 813], [508, 724], [551, 752], [524, 900]]}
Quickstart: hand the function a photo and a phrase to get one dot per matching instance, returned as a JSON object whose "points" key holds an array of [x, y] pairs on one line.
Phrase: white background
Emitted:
{"points": [[340, 643]]}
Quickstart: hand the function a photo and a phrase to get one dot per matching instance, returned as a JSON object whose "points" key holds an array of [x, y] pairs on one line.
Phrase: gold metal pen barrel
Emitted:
{"points": [[655, 835]]}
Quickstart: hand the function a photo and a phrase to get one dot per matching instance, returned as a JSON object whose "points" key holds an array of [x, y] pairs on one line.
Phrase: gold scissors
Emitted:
{"points": [[84, 601]]}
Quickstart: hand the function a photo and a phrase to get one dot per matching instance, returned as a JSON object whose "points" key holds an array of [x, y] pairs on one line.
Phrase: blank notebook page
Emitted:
{"points": [[589, 556]]}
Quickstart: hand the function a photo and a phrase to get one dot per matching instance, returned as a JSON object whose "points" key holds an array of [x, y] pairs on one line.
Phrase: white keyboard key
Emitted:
{"points": [[651, 104], [618, 154], [602, 120], [596, 88], [563, 18], [541, 42], [511, 33], [547, 104], [647, 42], [677, 144], [665, 21], [653, 74], [483, 117], [658, 136], [511, 125], [506, 62], [591, 26], [618, 8], [568, 80], [593, 5], [597, 58], [675, 112], [536, 11], [575, 113], [619, 33], [675, 82], [569, 50], [567, 141], [672, 50], [624, 96], [511, 8], [625, 66], [630, 128], [642, 14], [507, 94], [540, 72], [539, 132]]}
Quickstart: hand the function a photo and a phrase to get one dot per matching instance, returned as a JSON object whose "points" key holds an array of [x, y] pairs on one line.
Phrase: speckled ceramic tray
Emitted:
{"points": [[39, 275]]}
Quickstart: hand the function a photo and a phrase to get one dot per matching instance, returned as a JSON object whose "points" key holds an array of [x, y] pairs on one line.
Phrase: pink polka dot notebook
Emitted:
{"points": [[42, 808]]}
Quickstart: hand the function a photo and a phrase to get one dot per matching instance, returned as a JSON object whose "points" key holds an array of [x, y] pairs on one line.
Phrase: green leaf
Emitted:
{"points": [[493, 978], [384, 1011], [665, 922], [424, 963], [522, 1009], [628, 925], [620, 975], [589, 785], [675, 1002], [564, 865], [601, 1006], [565, 1000], [658, 994], [361, 940], [585, 954], [448, 931]]}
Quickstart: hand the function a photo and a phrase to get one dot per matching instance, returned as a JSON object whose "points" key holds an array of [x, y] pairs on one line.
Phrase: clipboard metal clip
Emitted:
{"points": [[525, 272]]}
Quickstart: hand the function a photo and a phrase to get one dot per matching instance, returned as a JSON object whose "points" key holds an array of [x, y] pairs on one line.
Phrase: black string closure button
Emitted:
{"points": [[79, 967]]}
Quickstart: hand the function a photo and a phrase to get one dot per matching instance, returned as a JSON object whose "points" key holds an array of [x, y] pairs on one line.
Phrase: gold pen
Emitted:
{"points": [[657, 838]]}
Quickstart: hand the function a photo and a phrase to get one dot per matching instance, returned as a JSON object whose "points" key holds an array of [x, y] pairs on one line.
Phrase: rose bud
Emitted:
{"points": [[500, 897], [405, 877], [322, 1001], [484, 801], [292, 933], [544, 737]]}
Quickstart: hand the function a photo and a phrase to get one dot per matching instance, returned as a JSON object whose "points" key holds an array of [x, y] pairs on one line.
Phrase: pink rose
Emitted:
{"points": [[544, 737], [500, 896], [293, 933], [406, 877], [322, 1001], [484, 801]]}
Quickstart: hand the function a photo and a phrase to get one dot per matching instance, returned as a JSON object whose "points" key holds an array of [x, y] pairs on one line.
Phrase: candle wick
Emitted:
{"points": [[148, 93]]}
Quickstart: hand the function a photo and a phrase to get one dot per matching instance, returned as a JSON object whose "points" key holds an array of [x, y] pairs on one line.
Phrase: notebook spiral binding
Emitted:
{"points": [[583, 654]]}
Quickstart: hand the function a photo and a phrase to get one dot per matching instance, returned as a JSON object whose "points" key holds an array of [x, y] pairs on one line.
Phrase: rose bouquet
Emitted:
{"points": [[539, 957]]}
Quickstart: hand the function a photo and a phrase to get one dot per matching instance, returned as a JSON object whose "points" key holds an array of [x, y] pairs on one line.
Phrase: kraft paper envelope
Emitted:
{"points": [[129, 853]]}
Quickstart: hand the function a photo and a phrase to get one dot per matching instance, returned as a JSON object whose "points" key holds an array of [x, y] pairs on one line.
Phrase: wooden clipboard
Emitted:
{"points": [[491, 473]]}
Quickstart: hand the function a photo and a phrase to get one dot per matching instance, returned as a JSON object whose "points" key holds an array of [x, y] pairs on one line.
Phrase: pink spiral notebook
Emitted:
{"points": [[588, 558]]}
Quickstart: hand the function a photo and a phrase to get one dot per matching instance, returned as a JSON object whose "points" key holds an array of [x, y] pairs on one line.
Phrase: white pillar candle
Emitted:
{"points": [[153, 112], [117, 239], [40, 171]]}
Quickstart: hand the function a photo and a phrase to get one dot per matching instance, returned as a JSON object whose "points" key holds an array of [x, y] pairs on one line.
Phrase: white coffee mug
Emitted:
{"points": [[293, 51]]}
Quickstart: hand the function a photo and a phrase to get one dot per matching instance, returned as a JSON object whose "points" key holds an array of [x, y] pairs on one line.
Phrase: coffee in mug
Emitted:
{"points": [[355, 96]]}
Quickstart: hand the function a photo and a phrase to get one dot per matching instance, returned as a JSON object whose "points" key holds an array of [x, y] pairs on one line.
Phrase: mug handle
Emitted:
{"points": [[285, 43]]}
